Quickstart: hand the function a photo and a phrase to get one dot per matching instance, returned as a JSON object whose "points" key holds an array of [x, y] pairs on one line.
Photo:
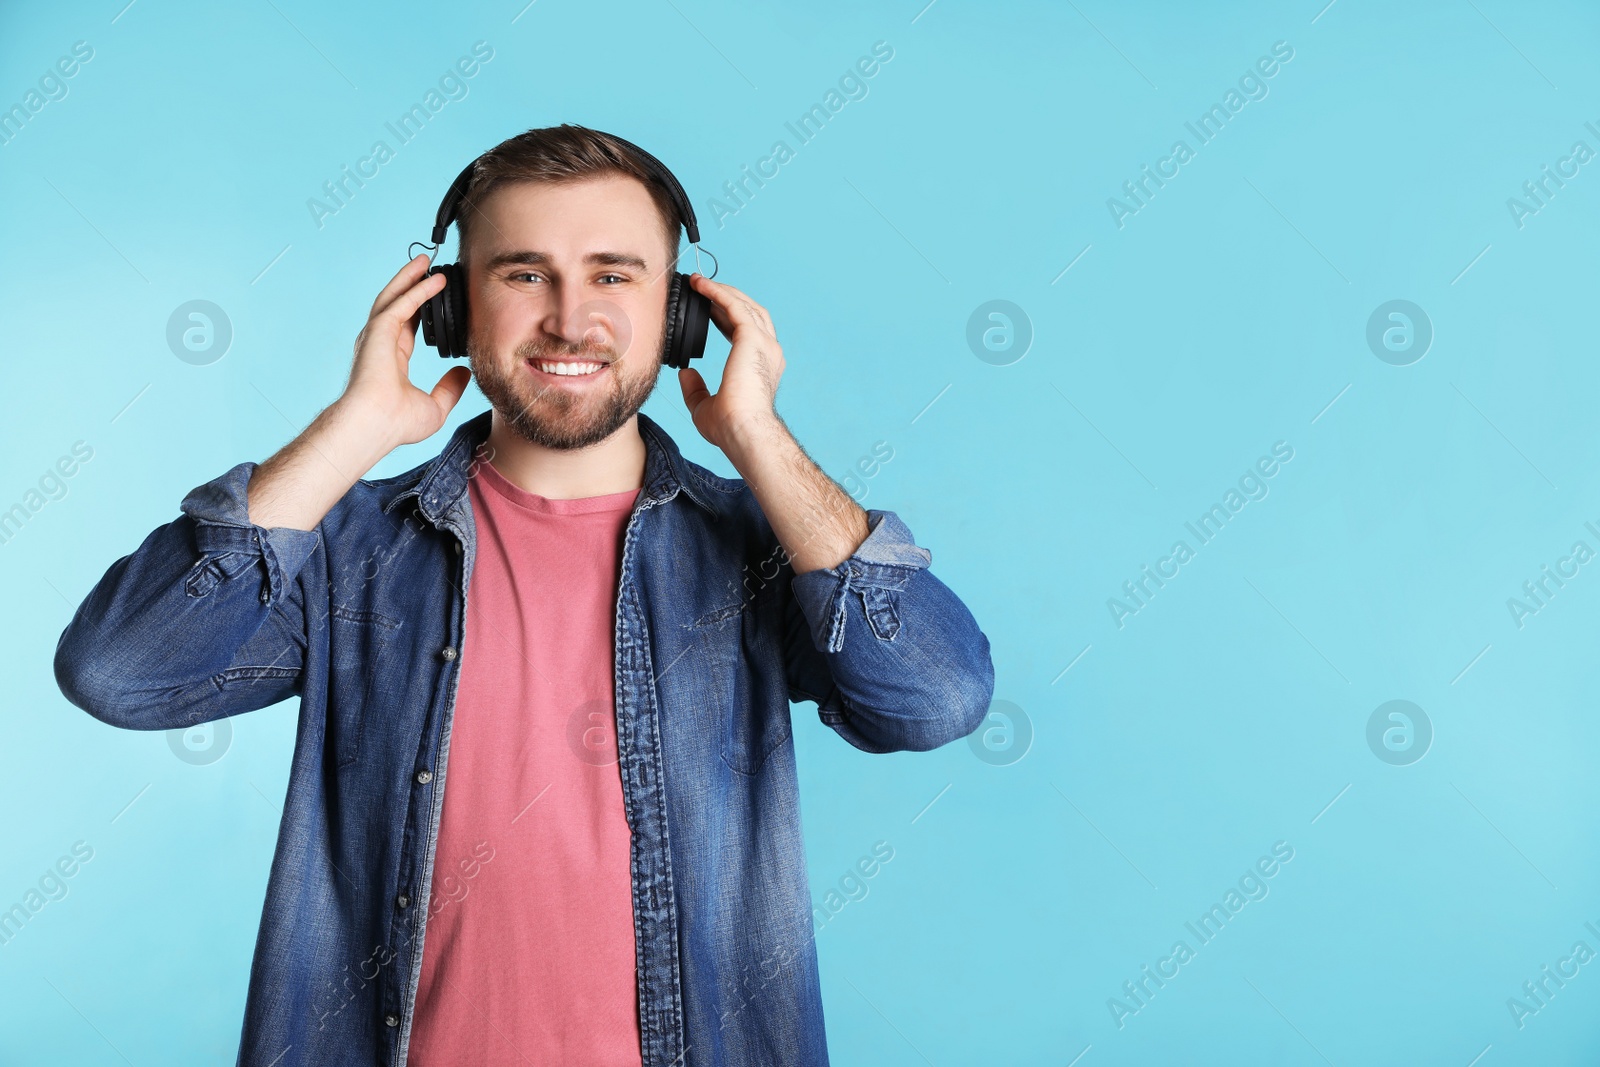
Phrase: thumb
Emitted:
{"points": [[450, 387], [694, 388]]}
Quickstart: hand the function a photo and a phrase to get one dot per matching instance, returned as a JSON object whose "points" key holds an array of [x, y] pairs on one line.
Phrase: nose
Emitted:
{"points": [[586, 322]]}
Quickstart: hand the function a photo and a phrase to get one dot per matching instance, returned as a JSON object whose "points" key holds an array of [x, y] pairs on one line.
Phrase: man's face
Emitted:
{"points": [[577, 274]]}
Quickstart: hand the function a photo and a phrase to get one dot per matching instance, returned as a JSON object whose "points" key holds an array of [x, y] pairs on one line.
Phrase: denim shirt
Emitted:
{"points": [[363, 619]]}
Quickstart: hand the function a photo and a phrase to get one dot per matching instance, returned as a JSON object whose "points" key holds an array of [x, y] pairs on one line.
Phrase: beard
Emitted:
{"points": [[554, 417]]}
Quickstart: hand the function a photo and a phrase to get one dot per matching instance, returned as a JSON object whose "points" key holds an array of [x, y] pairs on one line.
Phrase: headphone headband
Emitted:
{"points": [[450, 207]]}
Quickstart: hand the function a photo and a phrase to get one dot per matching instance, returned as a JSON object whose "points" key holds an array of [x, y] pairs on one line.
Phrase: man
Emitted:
{"points": [[615, 874]]}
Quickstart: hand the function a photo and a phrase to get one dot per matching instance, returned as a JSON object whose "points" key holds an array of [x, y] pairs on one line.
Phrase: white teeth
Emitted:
{"points": [[569, 368]]}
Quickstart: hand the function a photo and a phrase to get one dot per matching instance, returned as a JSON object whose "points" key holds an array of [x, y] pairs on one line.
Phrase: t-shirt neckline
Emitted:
{"points": [[491, 477]]}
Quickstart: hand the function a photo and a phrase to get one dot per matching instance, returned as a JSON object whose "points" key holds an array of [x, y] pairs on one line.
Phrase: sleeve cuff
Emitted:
{"points": [[878, 569], [225, 535]]}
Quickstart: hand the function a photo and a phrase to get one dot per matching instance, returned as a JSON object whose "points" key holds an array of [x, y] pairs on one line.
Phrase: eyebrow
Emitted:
{"points": [[542, 259]]}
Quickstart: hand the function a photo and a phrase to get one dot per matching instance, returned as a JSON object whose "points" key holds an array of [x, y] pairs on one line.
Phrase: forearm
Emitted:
{"points": [[302, 482], [815, 520]]}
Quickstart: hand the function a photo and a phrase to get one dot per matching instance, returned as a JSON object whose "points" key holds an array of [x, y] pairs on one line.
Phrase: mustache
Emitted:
{"points": [[544, 349]]}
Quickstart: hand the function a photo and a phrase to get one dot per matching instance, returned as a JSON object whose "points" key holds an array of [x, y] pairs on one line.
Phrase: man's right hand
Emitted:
{"points": [[380, 388], [379, 411]]}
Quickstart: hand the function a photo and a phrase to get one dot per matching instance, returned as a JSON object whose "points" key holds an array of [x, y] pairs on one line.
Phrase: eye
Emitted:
{"points": [[524, 274], [618, 277]]}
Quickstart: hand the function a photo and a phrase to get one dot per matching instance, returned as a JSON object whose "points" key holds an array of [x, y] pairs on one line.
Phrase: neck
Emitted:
{"points": [[610, 466]]}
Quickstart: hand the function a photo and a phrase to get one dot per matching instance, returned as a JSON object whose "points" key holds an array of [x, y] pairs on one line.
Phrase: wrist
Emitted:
{"points": [[754, 438], [756, 429], [361, 431]]}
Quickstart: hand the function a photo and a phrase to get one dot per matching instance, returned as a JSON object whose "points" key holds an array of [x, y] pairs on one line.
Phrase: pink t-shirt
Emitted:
{"points": [[529, 953]]}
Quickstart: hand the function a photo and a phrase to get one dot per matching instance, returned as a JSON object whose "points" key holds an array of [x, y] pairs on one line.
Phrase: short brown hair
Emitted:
{"points": [[560, 154]]}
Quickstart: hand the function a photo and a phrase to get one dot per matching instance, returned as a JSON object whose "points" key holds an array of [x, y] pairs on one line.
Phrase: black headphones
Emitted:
{"points": [[444, 316]]}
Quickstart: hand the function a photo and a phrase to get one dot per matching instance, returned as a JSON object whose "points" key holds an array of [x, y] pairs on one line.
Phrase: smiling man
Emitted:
{"points": [[593, 639]]}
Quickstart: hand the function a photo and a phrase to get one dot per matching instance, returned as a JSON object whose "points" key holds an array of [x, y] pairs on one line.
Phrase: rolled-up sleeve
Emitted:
{"points": [[204, 619], [223, 533], [893, 658]]}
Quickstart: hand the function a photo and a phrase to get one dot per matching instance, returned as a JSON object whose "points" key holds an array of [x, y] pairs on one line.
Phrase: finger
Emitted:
{"points": [[720, 320], [406, 305], [758, 314], [737, 309], [766, 317], [730, 295], [405, 336], [724, 296], [406, 276], [738, 304]]}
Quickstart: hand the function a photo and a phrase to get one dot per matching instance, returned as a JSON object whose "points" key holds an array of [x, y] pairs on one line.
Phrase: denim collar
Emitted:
{"points": [[440, 482]]}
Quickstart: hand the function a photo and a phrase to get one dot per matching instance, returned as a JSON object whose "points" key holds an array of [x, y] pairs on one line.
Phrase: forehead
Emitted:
{"points": [[612, 211]]}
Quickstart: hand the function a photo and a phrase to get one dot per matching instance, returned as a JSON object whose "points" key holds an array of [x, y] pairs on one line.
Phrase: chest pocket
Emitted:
{"points": [[356, 640], [749, 691]]}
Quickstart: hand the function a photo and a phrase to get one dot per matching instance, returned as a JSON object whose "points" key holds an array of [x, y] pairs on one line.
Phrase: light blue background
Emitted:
{"points": [[1225, 316]]}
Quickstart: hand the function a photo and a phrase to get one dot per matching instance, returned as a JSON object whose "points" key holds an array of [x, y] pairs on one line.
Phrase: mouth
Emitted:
{"points": [[576, 370]]}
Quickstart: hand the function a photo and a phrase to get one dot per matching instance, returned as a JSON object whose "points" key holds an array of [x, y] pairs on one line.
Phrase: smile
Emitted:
{"points": [[567, 368]]}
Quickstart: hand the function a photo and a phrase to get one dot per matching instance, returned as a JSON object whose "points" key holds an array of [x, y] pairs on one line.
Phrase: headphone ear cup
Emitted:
{"points": [[688, 315], [696, 322], [456, 312], [674, 327], [433, 313], [444, 316]]}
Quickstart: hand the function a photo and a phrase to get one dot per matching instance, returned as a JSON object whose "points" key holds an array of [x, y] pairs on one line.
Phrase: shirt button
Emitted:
{"points": [[459, 549], [265, 596], [449, 652], [403, 900], [391, 1020], [424, 777]]}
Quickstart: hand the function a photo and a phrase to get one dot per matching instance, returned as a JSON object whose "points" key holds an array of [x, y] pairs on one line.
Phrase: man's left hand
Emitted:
{"points": [[746, 395]]}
